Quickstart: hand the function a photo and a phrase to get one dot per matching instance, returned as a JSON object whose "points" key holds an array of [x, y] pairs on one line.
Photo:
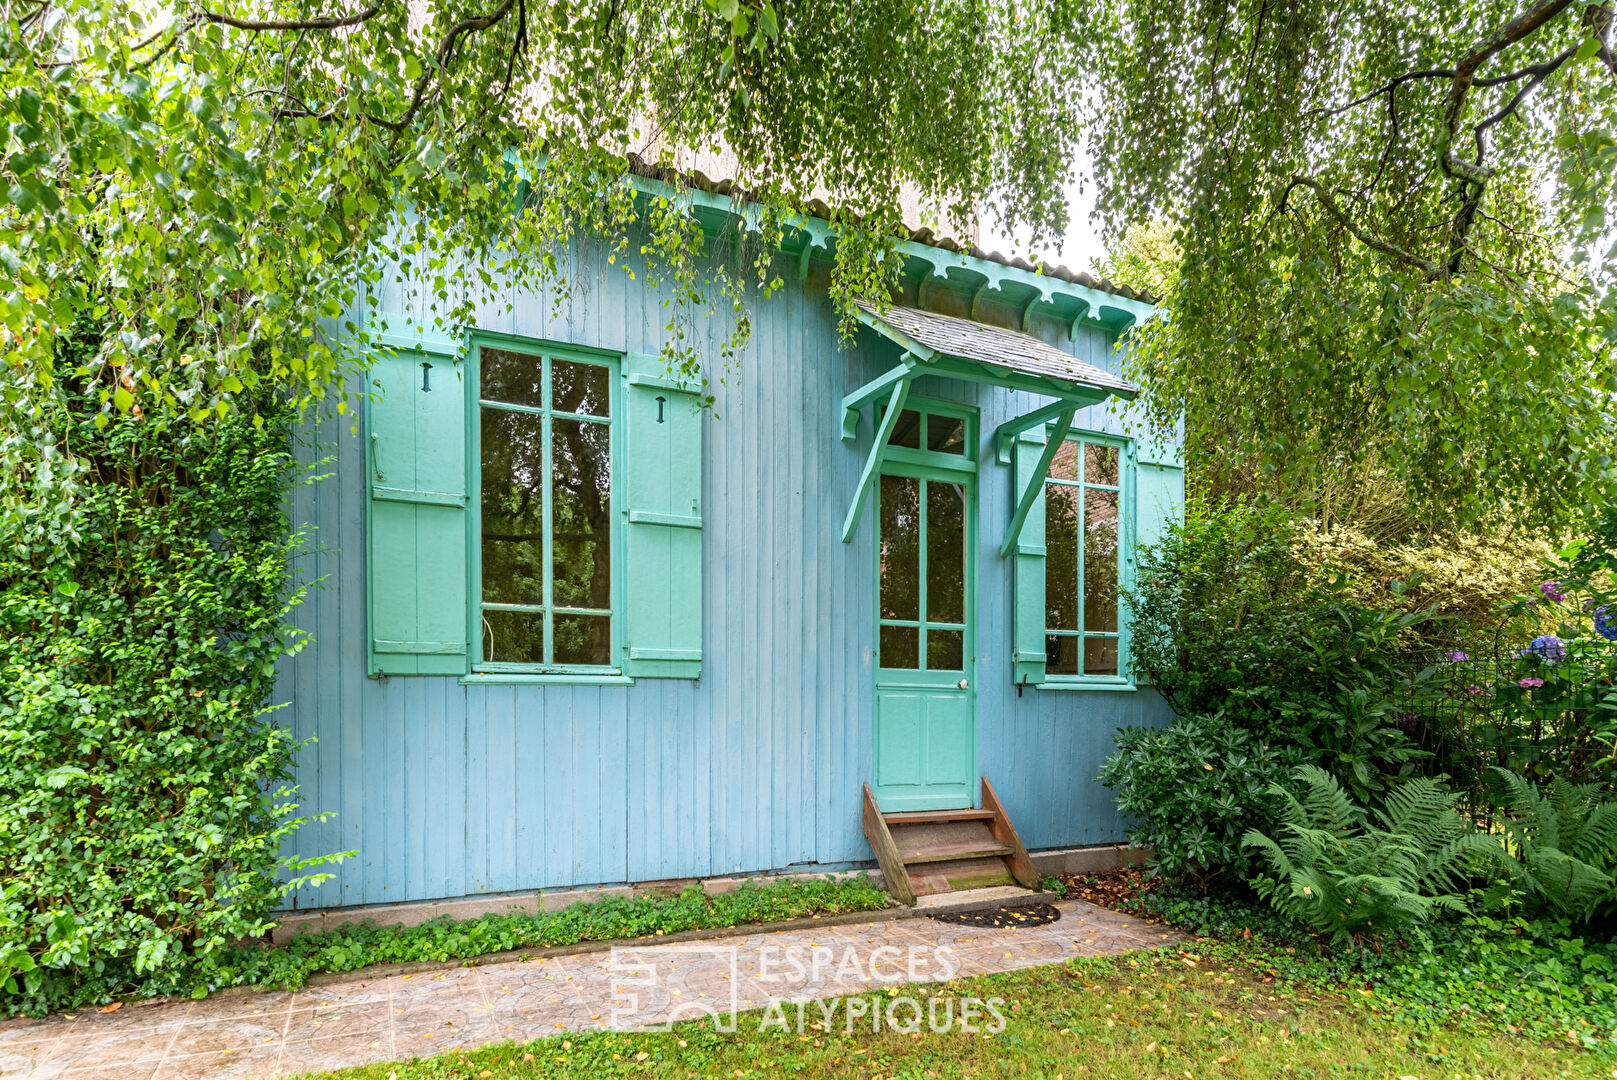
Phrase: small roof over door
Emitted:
{"points": [[996, 346], [954, 348]]}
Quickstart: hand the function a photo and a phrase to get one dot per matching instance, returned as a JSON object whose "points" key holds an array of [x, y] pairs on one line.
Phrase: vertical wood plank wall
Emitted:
{"points": [[448, 790]]}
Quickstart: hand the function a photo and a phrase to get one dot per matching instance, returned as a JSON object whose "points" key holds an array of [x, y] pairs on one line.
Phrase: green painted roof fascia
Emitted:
{"points": [[1099, 307]]}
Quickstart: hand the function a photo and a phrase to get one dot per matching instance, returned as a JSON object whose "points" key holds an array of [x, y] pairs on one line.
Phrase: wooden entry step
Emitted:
{"points": [[932, 852]]}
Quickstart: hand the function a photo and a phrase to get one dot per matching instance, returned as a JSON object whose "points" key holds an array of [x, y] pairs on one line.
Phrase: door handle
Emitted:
{"points": [[963, 684]]}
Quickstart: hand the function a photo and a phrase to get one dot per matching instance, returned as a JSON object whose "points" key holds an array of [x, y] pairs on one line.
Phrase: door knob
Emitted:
{"points": [[963, 684]]}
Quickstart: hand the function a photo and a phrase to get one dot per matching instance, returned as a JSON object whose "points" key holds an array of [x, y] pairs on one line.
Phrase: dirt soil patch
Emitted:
{"points": [[1121, 890]]}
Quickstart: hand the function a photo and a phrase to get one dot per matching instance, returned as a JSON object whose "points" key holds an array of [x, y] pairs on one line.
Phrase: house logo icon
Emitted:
{"points": [[655, 987]]}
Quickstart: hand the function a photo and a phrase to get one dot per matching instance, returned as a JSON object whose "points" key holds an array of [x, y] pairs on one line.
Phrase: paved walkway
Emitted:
{"points": [[265, 1035]]}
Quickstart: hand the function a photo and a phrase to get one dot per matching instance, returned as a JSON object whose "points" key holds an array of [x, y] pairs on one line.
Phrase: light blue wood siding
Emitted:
{"points": [[445, 789]]}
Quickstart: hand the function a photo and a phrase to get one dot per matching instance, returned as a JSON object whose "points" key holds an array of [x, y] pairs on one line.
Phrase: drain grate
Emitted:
{"points": [[1004, 918]]}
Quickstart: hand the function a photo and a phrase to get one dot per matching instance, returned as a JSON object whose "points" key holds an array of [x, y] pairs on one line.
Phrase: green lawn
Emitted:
{"points": [[1165, 1015]]}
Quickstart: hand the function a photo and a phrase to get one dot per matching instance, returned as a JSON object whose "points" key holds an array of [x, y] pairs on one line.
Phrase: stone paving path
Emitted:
{"points": [[264, 1035]]}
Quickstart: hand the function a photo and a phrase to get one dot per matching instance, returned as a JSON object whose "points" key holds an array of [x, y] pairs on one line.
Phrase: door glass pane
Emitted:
{"points": [[1061, 557], [580, 388], [945, 552], [946, 650], [1061, 654], [946, 434], [513, 507], [1100, 560], [1100, 655], [581, 505], [1100, 464], [898, 647], [1064, 466], [511, 376], [900, 548], [514, 637], [583, 639]]}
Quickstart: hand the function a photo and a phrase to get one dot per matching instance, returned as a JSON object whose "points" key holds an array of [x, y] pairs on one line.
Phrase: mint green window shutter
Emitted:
{"points": [[1160, 499], [1027, 614], [662, 564], [1159, 495], [416, 445]]}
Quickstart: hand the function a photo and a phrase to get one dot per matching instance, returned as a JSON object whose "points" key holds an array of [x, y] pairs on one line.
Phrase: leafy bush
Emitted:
{"points": [[146, 793], [1228, 619], [1346, 871], [1192, 789], [1564, 842]]}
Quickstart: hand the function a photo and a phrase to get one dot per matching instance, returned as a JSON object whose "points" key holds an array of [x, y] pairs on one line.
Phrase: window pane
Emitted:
{"points": [[584, 639], [581, 502], [514, 637], [1100, 655], [1100, 560], [1061, 655], [898, 647], [1100, 464], [946, 650], [946, 434], [513, 505], [907, 432], [580, 388], [1064, 466], [511, 376], [1061, 557], [945, 552], [900, 548]]}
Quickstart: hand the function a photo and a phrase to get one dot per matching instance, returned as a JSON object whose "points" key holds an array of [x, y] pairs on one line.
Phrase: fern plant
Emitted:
{"points": [[1348, 872], [1563, 839]]}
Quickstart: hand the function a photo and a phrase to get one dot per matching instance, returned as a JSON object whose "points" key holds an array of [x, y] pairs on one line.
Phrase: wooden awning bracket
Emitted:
{"points": [[884, 434], [1024, 498], [875, 388]]}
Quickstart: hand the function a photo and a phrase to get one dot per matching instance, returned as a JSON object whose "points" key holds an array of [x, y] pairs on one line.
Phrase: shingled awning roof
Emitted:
{"points": [[981, 343]]}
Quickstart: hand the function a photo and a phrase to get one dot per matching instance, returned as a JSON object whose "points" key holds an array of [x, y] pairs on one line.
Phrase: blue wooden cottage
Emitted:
{"points": [[570, 628]]}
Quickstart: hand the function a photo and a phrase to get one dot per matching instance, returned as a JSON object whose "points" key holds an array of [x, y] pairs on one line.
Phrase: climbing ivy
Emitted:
{"points": [[147, 792]]}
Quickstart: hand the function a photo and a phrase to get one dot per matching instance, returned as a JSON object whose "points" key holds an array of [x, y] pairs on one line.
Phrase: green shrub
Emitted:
{"points": [[1346, 871], [1228, 619], [1564, 842], [1192, 789], [146, 794]]}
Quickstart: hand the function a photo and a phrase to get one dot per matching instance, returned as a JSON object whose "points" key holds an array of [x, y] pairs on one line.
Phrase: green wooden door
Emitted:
{"points": [[925, 740]]}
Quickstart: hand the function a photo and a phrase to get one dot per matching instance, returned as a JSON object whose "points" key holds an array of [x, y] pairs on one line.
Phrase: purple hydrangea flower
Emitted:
{"points": [[1547, 647], [1552, 591], [1479, 691], [1532, 682], [1456, 656], [1603, 624], [1406, 721]]}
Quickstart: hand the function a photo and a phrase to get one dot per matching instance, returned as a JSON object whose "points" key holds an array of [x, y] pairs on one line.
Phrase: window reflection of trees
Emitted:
{"points": [[1082, 540], [901, 571], [513, 527]]}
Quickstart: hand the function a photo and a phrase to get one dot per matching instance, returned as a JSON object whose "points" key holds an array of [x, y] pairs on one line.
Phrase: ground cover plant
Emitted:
{"points": [[349, 948], [1541, 979], [1151, 1016]]}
